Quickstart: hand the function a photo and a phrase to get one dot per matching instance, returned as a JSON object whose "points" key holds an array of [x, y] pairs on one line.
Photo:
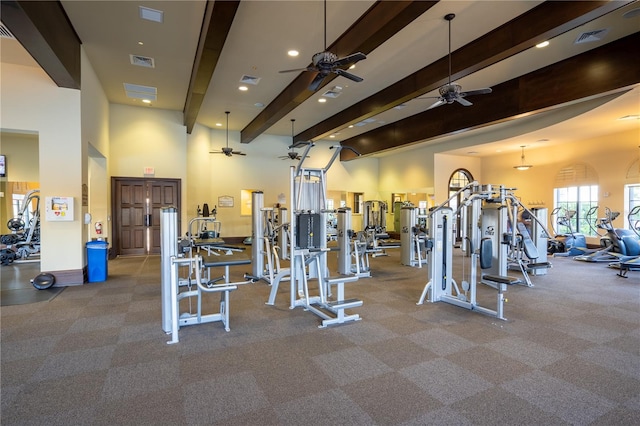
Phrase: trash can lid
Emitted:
{"points": [[97, 244]]}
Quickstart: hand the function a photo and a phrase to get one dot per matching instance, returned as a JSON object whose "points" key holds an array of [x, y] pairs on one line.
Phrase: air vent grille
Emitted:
{"points": [[248, 79], [591, 36], [137, 91], [142, 61], [331, 94], [5, 33]]}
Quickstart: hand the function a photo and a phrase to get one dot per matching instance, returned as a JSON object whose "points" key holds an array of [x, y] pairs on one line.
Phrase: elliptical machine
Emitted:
{"points": [[567, 244], [628, 262], [625, 242]]}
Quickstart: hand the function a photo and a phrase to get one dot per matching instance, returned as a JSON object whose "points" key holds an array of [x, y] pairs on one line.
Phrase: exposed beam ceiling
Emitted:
{"points": [[202, 49], [543, 22], [218, 17], [46, 33], [377, 25]]}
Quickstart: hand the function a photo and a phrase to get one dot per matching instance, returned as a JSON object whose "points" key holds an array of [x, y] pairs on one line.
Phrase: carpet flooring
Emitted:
{"points": [[568, 354]]}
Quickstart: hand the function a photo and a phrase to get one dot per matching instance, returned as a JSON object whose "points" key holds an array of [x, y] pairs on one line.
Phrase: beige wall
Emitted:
{"points": [[611, 157], [95, 132], [147, 137], [32, 102], [215, 175], [21, 150]]}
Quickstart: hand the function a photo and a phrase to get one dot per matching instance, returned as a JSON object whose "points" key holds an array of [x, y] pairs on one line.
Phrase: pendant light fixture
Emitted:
{"points": [[522, 165]]}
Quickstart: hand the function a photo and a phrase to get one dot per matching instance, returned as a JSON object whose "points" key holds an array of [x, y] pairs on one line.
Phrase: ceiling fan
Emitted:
{"points": [[325, 63], [452, 92], [292, 154], [226, 150]]}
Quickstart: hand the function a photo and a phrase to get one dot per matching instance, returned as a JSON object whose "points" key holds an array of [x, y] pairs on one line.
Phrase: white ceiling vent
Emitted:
{"points": [[142, 61], [137, 91], [5, 33], [248, 79], [334, 92], [151, 14], [590, 36], [331, 94]]}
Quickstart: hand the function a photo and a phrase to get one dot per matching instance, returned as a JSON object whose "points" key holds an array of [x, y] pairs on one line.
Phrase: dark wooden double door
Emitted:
{"points": [[136, 213]]}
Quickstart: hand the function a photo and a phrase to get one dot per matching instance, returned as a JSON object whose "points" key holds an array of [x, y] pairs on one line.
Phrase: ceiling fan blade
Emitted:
{"points": [[349, 60], [484, 91], [462, 101], [317, 81], [348, 75], [298, 70], [437, 103], [238, 153]]}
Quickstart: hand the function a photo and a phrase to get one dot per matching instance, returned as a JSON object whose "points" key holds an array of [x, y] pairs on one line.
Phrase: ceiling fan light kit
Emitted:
{"points": [[522, 165]]}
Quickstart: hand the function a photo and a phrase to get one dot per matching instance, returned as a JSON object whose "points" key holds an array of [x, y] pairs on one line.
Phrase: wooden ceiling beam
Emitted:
{"points": [[543, 22], [606, 69], [379, 23], [218, 17], [44, 30]]}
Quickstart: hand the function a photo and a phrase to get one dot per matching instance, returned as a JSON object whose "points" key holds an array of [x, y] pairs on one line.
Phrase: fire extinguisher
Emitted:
{"points": [[99, 228]]}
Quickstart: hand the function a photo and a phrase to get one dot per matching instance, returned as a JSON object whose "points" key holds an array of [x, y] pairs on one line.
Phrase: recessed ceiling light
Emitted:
{"points": [[141, 43], [332, 136], [322, 100], [352, 66], [146, 101], [543, 44], [243, 88], [293, 53], [218, 124], [351, 126]]}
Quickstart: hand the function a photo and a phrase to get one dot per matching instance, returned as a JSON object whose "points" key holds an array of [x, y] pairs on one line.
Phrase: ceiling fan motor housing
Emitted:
{"points": [[324, 60]]}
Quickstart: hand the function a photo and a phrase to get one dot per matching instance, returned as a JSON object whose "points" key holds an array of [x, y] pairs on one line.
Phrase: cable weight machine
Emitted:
{"points": [[308, 248]]}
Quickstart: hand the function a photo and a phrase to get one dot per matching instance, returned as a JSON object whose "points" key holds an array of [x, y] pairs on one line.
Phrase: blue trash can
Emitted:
{"points": [[97, 257]]}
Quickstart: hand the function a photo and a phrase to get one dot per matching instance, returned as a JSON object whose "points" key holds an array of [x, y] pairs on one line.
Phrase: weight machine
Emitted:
{"points": [[185, 255], [487, 240], [269, 237], [24, 240], [308, 241], [413, 236], [351, 261]]}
